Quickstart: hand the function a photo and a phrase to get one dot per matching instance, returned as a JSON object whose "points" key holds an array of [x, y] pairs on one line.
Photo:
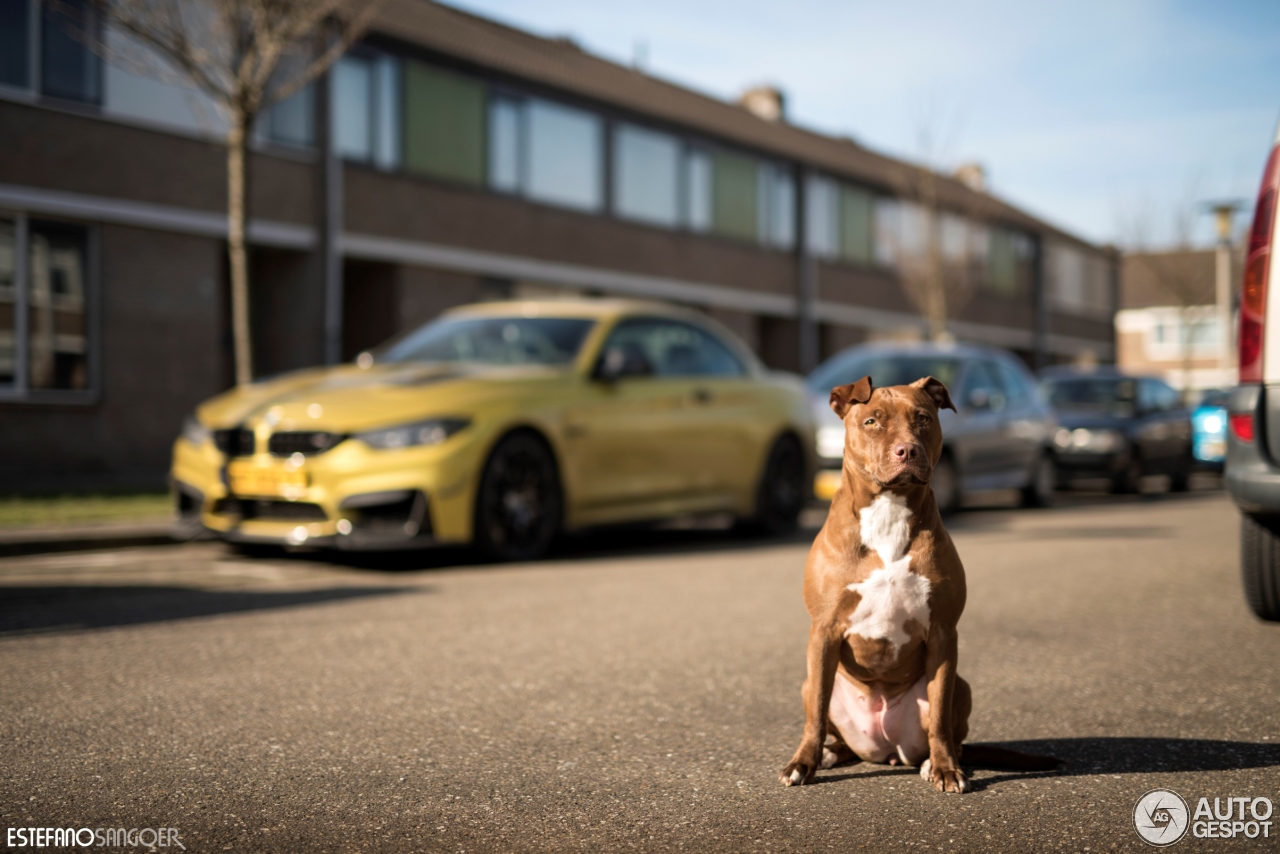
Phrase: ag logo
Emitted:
{"points": [[1160, 817]]}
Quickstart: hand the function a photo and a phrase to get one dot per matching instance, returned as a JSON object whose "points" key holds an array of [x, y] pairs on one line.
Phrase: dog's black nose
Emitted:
{"points": [[906, 451]]}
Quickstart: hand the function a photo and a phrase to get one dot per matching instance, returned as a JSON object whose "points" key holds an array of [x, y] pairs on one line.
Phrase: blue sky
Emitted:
{"points": [[1107, 118]]}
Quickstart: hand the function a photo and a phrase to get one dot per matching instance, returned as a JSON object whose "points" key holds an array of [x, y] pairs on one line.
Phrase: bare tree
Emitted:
{"points": [[939, 247], [1188, 285], [245, 55]]}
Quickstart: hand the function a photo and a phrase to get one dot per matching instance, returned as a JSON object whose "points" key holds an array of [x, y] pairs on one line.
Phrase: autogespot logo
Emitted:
{"points": [[1160, 817]]}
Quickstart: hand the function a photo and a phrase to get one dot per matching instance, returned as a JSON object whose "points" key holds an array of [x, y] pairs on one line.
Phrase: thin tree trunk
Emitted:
{"points": [[1186, 321], [237, 183]]}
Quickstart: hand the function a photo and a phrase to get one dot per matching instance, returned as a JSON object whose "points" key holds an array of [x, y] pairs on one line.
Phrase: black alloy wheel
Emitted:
{"points": [[1180, 479], [1044, 479], [1128, 480], [782, 489], [519, 502]]}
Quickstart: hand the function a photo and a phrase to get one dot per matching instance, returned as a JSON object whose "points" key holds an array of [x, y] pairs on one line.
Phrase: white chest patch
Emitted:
{"points": [[892, 595]]}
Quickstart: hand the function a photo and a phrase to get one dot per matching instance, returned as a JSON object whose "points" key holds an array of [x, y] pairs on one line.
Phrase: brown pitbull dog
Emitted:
{"points": [[885, 588]]}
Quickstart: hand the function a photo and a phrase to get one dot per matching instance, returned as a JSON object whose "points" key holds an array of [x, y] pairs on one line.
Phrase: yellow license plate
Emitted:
{"points": [[258, 480], [825, 484]]}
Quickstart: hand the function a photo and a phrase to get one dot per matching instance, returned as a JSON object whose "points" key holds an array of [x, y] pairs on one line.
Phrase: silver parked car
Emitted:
{"points": [[1001, 437]]}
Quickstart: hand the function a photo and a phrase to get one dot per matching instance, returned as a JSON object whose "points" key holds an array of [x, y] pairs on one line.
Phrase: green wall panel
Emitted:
{"points": [[444, 124], [857, 220], [734, 190]]}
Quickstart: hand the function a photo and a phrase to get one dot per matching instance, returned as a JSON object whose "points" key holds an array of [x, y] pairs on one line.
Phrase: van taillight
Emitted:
{"points": [[1253, 293], [1242, 426]]}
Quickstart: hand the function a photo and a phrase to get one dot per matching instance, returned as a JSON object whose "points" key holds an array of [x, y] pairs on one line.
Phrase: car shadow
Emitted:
{"points": [[1102, 755], [25, 609]]}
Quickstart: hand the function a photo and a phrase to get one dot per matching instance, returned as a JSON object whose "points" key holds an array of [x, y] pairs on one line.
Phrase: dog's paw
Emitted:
{"points": [[945, 780], [796, 773], [829, 758]]}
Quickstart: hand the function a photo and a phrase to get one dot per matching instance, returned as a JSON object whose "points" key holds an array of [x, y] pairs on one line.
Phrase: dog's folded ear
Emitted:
{"points": [[937, 391], [843, 397]]}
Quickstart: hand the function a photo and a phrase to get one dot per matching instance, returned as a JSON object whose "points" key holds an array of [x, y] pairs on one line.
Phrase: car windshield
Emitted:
{"points": [[1114, 395], [885, 369], [493, 341]]}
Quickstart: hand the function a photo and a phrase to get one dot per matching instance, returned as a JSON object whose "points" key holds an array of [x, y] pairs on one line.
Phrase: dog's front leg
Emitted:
{"points": [[823, 656], [942, 768]]}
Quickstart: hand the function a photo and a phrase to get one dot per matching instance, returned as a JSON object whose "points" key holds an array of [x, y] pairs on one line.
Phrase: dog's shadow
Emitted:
{"points": [[1085, 757]]}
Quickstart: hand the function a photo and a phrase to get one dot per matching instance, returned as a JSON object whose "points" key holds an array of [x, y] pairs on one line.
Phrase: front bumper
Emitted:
{"points": [[1081, 464], [355, 497]]}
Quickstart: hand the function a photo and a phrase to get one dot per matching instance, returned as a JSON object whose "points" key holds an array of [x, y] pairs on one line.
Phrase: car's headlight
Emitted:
{"points": [[194, 432], [1089, 441], [831, 442], [430, 432]]}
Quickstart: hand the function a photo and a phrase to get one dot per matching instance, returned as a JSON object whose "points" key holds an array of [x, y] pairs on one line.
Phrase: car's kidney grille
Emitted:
{"points": [[286, 444], [236, 442]]}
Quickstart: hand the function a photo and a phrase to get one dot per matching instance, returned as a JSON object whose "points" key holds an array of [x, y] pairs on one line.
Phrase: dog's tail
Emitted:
{"points": [[998, 758]]}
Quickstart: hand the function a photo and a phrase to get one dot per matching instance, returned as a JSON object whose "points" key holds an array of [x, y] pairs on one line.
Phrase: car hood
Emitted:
{"points": [[348, 398], [825, 416]]}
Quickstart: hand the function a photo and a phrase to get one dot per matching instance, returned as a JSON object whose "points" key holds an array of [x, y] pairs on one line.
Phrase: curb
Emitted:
{"points": [[44, 540]]}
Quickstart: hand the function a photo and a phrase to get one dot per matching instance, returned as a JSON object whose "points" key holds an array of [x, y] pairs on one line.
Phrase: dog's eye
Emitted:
{"points": [[923, 418], [869, 422]]}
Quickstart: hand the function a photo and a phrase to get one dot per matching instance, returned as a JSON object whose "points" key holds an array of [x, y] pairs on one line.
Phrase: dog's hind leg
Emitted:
{"points": [[961, 706], [837, 752]]}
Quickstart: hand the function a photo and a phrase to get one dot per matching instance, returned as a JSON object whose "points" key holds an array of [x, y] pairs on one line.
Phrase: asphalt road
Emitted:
{"points": [[639, 691]]}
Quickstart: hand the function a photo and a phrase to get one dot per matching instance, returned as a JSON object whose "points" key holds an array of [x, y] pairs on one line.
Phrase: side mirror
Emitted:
{"points": [[979, 398], [619, 362]]}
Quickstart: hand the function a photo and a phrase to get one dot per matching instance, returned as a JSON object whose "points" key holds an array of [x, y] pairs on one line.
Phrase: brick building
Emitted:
{"points": [[465, 160]]}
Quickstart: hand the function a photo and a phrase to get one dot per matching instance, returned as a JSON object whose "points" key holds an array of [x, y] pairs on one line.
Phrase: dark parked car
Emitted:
{"points": [[1000, 438], [1119, 427]]}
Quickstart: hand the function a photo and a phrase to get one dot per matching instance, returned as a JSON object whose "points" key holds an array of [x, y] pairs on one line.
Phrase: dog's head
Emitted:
{"points": [[891, 435]]}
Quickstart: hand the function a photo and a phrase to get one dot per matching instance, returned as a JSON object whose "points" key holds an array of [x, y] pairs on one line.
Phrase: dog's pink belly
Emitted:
{"points": [[878, 729]]}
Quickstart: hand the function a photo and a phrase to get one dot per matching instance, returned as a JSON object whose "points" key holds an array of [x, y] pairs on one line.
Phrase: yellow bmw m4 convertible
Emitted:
{"points": [[501, 425]]}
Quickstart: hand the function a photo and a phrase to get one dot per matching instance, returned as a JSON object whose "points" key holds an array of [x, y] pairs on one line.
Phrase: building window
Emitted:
{"points": [[565, 156], [734, 195], [646, 175], [15, 41], [547, 152], [8, 303], [698, 193], [1077, 280], [68, 68], [44, 334], [291, 121], [777, 205], [366, 114], [822, 216], [505, 120], [444, 124]]}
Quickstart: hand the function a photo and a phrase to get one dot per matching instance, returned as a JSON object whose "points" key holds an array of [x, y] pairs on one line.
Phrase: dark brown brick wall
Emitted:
{"points": [[161, 356], [414, 209], [93, 156]]}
